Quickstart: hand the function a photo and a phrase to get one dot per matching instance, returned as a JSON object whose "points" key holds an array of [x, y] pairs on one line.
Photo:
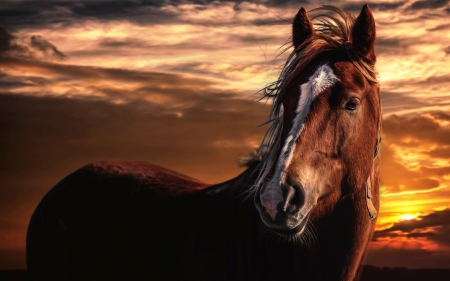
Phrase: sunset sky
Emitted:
{"points": [[175, 83]]}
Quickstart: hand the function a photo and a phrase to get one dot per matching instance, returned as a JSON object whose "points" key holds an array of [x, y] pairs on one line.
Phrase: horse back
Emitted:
{"points": [[110, 215], [140, 175]]}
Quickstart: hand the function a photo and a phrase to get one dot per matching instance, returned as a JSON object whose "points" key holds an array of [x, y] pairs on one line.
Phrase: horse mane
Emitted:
{"points": [[333, 28]]}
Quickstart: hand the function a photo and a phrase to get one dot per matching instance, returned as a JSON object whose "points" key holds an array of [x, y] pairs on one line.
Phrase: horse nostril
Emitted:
{"points": [[294, 199]]}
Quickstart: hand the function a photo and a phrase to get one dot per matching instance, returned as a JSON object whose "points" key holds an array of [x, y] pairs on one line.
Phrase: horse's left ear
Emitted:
{"points": [[363, 35], [302, 28]]}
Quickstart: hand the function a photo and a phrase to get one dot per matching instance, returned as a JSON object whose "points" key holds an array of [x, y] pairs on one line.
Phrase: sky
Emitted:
{"points": [[176, 83]]}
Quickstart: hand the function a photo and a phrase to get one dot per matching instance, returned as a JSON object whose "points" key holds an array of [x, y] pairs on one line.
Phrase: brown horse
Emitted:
{"points": [[302, 210]]}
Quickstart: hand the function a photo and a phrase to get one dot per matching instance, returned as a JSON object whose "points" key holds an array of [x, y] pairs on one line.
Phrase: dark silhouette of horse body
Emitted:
{"points": [[302, 210]]}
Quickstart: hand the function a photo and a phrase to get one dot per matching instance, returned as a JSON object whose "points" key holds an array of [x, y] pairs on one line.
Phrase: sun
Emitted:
{"points": [[407, 217]]}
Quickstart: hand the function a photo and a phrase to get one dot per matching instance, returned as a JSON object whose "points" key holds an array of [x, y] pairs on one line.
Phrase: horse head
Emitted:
{"points": [[326, 118]]}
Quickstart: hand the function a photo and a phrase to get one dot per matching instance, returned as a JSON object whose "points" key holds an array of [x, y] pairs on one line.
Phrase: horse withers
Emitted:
{"points": [[304, 208]]}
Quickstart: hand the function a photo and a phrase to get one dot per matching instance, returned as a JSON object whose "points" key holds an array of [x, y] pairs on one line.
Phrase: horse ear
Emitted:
{"points": [[363, 35], [302, 28]]}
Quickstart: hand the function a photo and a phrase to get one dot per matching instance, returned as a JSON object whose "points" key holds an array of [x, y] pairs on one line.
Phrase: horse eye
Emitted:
{"points": [[352, 104]]}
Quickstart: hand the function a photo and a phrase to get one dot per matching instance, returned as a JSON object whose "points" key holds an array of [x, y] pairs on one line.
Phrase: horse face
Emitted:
{"points": [[329, 135]]}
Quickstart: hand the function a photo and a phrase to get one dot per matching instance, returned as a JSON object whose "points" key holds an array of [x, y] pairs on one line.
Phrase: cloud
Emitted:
{"points": [[432, 4], [8, 82], [424, 128], [434, 227], [7, 45], [123, 42], [447, 50], [33, 14], [38, 48], [5, 40], [439, 27], [374, 6], [89, 74], [410, 258], [394, 102], [61, 126], [397, 45], [46, 47], [411, 148], [416, 243], [37, 14], [396, 176]]}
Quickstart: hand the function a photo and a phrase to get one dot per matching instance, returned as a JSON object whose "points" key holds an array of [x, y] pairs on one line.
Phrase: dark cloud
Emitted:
{"points": [[439, 27], [437, 171], [5, 40], [447, 50], [433, 79], [106, 9], [380, 6], [395, 45], [187, 45], [440, 152], [8, 82], [213, 126], [208, 69], [255, 39], [402, 102], [90, 73], [34, 14], [429, 4], [397, 102], [38, 48], [139, 12], [440, 115], [46, 47], [390, 42], [282, 3], [125, 42], [7, 45], [411, 258], [435, 227], [421, 128], [37, 14]]}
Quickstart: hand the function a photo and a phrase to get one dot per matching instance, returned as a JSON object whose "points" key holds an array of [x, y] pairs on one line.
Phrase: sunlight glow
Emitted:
{"points": [[407, 217]]}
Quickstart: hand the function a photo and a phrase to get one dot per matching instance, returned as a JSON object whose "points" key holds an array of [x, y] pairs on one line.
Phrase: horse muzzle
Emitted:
{"points": [[283, 208]]}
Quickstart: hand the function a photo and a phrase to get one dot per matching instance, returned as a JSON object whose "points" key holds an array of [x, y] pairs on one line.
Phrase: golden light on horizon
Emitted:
{"points": [[407, 217]]}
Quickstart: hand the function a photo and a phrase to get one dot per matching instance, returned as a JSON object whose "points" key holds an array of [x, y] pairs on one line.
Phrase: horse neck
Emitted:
{"points": [[236, 190]]}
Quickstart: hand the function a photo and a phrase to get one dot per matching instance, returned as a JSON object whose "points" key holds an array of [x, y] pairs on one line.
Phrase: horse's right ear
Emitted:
{"points": [[302, 28], [364, 34]]}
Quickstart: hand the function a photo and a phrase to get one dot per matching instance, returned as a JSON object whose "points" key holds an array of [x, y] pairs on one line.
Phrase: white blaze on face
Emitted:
{"points": [[323, 78]]}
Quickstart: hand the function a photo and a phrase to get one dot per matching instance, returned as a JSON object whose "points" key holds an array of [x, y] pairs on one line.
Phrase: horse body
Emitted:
{"points": [[117, 221], [301, 210], [130, 220]]}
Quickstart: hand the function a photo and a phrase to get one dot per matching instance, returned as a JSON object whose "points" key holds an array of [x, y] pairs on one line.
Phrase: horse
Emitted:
{"points": [[304, 208]]}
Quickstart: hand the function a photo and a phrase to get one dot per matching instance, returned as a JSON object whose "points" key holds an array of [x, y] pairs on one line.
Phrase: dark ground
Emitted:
{"points": [[370, 273]]}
